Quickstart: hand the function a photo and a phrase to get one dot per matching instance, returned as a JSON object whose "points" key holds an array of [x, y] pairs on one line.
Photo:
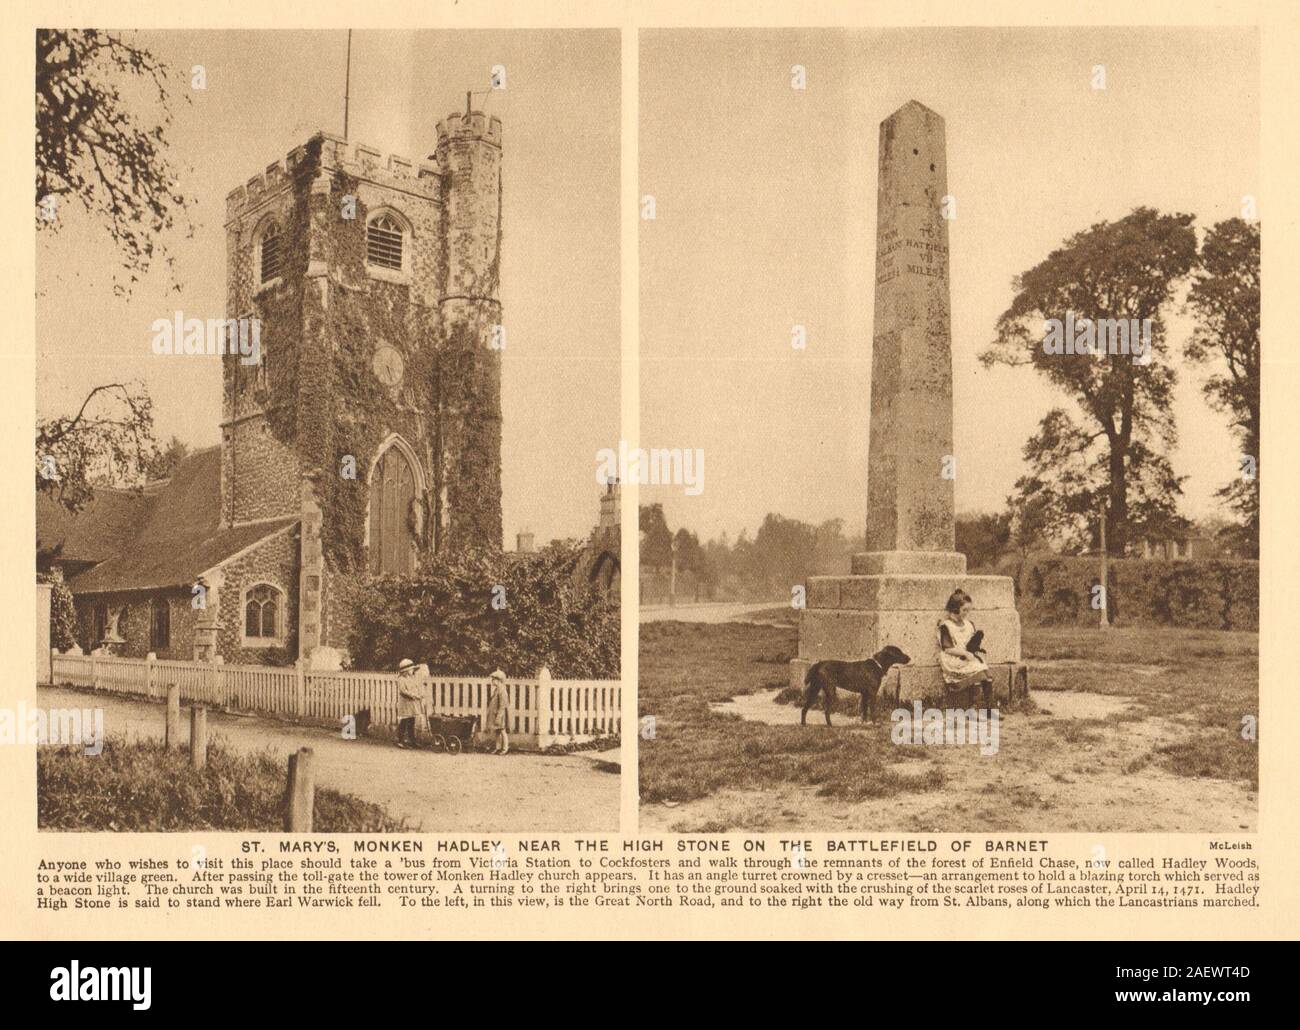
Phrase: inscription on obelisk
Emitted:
{"points": [[910, 468]]}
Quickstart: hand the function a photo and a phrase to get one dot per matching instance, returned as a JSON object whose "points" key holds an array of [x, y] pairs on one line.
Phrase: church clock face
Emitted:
{"points": [[388, 365]]}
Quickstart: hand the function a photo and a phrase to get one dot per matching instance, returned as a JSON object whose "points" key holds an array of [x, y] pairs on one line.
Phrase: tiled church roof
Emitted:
{"points": [[166, 536]]}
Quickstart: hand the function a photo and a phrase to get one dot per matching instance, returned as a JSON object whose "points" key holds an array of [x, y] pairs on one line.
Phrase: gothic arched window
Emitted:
{"points": [[386, 242], [396, 512], [263, 614]]}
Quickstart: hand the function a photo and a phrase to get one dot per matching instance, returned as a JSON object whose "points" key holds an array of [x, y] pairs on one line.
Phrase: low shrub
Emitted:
{"points": [[139, 786]]}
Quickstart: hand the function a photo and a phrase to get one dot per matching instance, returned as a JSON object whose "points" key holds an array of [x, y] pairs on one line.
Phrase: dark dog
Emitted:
{"points": [[858, 677]]}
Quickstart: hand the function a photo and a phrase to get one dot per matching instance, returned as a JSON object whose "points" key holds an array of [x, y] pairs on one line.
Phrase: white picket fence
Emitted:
{"points": [[541, 712]]}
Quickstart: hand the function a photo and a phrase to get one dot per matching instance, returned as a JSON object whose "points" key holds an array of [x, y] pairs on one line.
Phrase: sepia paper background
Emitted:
{"points": [[1279, 821]]}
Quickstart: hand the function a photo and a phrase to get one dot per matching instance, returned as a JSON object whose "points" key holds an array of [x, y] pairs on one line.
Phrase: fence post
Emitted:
{"points": [[300, 688], [220, 696], [198, 737], [172, 734], [149, 659], [94, 672], [301, 793], [543, 706]]}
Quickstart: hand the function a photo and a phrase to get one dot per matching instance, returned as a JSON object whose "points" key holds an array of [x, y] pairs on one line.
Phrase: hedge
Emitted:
{"points": [[1212, 593], [471, 613]]}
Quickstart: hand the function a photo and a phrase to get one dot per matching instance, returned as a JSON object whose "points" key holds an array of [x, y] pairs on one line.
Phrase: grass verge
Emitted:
{"points": [[141, 787], [1205, 681]]}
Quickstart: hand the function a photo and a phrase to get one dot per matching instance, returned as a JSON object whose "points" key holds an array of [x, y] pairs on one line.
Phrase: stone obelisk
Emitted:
{"points": [[899, 585]]}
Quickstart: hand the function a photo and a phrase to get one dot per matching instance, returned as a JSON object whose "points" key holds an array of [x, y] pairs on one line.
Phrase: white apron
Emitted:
{"points": [[960, 672]]}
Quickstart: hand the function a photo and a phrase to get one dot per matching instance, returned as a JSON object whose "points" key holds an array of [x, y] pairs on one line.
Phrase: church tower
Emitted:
{"points": [[469, 402], [370, 407]]}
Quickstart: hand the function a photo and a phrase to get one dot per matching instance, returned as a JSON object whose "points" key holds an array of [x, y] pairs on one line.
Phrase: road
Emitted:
{"points": [[709, 611], [435, 793]]}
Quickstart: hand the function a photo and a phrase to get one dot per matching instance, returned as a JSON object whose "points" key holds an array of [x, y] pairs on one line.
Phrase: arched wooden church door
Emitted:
{"points": [[394, 490]]}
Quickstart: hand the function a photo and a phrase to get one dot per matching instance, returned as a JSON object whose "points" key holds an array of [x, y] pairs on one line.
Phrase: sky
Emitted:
{"points": [[266, 93], [765, 210]]}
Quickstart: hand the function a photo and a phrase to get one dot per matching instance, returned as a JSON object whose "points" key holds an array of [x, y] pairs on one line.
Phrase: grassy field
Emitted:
{"points": [[1169, 700], [139, 786]]}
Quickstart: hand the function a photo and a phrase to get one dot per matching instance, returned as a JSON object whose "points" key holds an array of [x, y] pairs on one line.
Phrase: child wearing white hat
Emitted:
{"points": [[497, 713], [410, 702]]}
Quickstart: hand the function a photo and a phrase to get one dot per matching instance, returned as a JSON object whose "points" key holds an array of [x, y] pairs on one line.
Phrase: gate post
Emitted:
{"points": [[300, 792], [544, 735]]}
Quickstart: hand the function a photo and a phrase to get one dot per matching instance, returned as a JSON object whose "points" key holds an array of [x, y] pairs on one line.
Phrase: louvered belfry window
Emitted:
{"points": [[384, 243], [272, 253]]}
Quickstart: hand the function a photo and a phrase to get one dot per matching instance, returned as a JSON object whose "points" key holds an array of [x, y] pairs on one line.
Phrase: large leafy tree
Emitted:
{"points": [[983, 538], [92, 147], [656, 537], [785, 550], [1127, 269], [1224, 299], [692, 558], [1068, 481]]}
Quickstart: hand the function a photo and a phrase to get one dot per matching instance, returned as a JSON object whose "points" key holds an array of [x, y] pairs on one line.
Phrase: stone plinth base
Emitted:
{"points": [[853, 617], [909, 592], [925, 682], [900, 602]]}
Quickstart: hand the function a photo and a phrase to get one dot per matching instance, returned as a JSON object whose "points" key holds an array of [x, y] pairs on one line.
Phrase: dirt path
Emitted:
{"points": [[1099, 783], [522, 793]]}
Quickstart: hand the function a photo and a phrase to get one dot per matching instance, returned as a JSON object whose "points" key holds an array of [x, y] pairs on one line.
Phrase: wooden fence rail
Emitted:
{"points": [[541, 711]]}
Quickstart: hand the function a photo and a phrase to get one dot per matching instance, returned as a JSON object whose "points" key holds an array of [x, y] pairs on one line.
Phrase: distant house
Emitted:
{"points": [[1177, 547]]}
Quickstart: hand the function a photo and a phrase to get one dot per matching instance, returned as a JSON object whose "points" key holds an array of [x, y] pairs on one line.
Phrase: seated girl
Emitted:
{"points": [[962, 664]]}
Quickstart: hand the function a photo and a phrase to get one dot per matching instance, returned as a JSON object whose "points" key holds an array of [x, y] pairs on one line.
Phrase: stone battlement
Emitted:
{"points": [[336, 152], [473, 126]]}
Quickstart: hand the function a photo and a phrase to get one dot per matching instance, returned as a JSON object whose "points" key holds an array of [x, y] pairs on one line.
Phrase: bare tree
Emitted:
{"points": [[109, 439], [91, 147]]}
